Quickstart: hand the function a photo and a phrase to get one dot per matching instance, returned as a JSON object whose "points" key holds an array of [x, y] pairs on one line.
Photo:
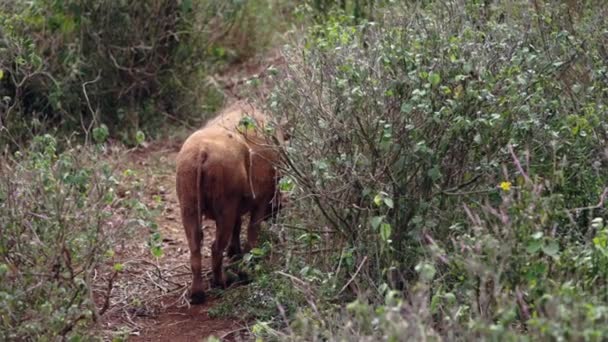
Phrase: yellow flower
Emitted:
{"points": [[505, 186]]}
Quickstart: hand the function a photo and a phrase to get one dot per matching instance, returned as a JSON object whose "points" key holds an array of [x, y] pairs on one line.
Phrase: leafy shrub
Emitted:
{"points": [[446, 148], [516, 271], [322, 9], [62, 214], [259, 300], [133, 66], [247, 28]]}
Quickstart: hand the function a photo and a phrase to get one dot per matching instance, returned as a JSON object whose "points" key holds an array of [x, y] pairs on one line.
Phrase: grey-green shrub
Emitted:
{"points": [[449, 144], [61, 217], [133, 66]]}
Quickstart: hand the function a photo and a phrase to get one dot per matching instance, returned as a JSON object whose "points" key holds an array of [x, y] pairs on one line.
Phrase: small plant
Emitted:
{"points": [[262, 300], [61, 216]]}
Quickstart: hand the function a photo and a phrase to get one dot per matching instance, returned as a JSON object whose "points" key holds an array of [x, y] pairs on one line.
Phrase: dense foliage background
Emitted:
{"points": [[128, 66], [446, 175]]}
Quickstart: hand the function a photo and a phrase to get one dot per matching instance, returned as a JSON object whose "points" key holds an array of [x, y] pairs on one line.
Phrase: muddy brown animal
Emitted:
{"points": [[223, 173]]}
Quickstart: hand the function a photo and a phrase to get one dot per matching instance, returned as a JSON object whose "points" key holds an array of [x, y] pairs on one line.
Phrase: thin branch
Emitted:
{"points": [[93, 113], [354, 276], [106, 303], [518, 164], [599, 205]]}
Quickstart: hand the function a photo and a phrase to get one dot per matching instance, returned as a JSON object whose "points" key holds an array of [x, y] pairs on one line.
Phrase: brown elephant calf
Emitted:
{"points": [[223, 174]]}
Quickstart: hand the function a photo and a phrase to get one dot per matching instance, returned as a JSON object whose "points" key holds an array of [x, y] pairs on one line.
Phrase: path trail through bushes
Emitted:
{"points": [[149, 297], [148, 300]]}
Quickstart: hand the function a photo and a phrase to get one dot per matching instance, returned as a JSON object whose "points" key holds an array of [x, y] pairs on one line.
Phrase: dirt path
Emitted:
{"points": [[181, 321], [148, 298], [148, 301]]}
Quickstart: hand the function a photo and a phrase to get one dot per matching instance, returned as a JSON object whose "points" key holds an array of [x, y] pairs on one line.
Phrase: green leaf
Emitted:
{"points": [[599, 241], [383, 288], [385, 231], [406, 107], [375, 221], [378, 199], [426, 271], [434, 78], [434, 173], [257, 252], [537, 235], [118, 267], [140, 137], [1, 74], [101, 133], [450, 297], [389, 202], [435, 300], [157, 251], [535, 271], [67, 25], [534, 246], [286, 184], [551, 249], [246, 123], [186, 5]]}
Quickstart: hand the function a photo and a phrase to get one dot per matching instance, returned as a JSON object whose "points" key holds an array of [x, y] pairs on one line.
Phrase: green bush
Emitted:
{"points": [[446, 148], [62, 215], [133, 66], [359, 9]]}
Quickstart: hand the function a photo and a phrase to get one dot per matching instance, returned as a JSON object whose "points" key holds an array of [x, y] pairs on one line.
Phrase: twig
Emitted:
{"points": [[523, 307], [599, 205], [128, 317], [284, 316], [463, 193], [87, 278], [151, 278], [93, 113], [70, 327], [453, 190], [292, 277], [518, 164], [316, 251], [354, 275], [232, 332], [106, 303]]}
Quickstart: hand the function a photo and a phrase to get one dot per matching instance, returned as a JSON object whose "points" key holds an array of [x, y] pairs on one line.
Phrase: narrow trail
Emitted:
{"points": [[180, 321], [150, 295], [148, 300]]}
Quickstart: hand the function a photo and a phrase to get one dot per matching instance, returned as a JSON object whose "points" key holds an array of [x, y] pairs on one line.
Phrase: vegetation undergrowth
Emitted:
{"points": [[133, 67], [63, 215], [447, 173], [445, 178], [265, 293], [78, 79]]}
